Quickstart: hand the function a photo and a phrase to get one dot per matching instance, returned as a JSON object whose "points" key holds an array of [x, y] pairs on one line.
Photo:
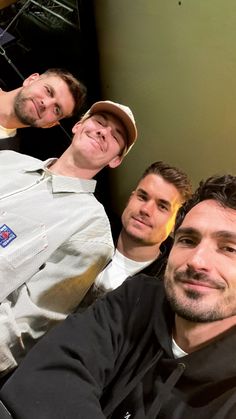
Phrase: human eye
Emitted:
{"points": [[141, 196], [57, 110], [163, 207], [48, 90], [100, 120], [184, 240], [228, 248], [115, 137]]}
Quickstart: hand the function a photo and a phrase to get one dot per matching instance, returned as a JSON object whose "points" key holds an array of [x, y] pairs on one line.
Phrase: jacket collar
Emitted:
{"points": [[62, 183], [216, 352]]}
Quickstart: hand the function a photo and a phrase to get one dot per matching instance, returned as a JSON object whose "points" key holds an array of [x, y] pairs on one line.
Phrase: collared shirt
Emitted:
{"points": [[54, 239]]}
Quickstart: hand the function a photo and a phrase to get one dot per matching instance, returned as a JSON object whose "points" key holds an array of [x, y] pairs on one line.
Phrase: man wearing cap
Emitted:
{"points": [[54, 235]]}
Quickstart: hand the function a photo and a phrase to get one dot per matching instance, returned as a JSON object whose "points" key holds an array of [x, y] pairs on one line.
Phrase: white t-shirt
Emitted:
{"points": [[117, 271], [177, 351], [7, 132]]}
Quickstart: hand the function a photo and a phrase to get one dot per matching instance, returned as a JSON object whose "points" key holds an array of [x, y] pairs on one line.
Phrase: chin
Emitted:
{"points": [[140, 239]]}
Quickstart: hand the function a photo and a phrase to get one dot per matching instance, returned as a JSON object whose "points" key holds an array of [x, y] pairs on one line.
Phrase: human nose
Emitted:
{"points": [[47, 102], [101, 133], [146, 207], [201, 258]]}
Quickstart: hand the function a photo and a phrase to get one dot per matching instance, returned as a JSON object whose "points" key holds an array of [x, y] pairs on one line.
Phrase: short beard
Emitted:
{"points": [[189, 308], [19, 110]]}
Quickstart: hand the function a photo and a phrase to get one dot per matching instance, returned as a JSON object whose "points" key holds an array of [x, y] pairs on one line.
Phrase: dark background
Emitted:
{"points": [[42, 40]]}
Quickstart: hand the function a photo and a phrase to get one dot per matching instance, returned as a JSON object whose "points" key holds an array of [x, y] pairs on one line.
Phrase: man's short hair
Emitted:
{"points": [[77, 89], [220, 188], [173, 175]]}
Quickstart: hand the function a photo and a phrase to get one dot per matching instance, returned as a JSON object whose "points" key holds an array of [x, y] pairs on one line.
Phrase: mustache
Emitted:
{"points": [[190, 275]]}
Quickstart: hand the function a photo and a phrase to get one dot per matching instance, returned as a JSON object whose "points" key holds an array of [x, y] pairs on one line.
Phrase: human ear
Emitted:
{"points": [[31, 79], [75, 127], [115, 162]]}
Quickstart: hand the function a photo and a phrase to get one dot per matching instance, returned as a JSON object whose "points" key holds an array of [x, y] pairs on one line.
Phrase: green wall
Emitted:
{"points": [[174, 64]]}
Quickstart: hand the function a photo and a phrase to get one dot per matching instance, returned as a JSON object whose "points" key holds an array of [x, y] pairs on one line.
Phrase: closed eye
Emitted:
{"points": [[100, 120]]}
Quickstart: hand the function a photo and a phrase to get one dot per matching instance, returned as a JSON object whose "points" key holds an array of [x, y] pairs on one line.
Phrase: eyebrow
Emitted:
{"points": [[162, 201], [186, 230], [221, 234], [225, 234], [142, 191]]}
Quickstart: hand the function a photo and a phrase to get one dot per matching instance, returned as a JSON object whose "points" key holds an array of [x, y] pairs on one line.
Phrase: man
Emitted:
{"points": [[147, 221], [54, 235], [41, 102], [144, 351]]}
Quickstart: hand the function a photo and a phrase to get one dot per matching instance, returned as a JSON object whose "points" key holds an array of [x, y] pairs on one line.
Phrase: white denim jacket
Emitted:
{"points": [[54, 239]]}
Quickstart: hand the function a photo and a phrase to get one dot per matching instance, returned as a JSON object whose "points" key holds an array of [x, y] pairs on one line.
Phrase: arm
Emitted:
{"points": [[66, 372]]}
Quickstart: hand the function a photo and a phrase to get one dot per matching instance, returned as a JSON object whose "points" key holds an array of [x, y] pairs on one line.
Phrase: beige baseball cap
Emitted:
{"points": [[123, 113]]}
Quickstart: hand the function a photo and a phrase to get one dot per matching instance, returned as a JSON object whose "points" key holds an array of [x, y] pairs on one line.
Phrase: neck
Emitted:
{"points": [[136, 250], [68, 165], [8, 118], [193, 336]]}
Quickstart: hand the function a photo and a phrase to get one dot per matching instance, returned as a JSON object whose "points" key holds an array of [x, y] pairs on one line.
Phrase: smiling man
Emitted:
{"points": [[54, 235], [147, 222], [41, 101], [148, 349]]}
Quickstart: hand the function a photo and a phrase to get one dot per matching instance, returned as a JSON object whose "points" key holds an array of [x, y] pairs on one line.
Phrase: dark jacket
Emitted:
{"points": [[11, 143], [115, 361]]}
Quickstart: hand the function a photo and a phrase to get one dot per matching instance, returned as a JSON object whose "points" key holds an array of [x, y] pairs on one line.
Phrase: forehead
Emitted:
{"points": [[209, 216], [53, 79], [158, 188]]}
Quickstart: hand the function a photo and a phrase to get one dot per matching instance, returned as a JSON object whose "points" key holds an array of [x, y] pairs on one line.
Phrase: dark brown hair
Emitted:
{"points": [[220, 188], [173, 175]]}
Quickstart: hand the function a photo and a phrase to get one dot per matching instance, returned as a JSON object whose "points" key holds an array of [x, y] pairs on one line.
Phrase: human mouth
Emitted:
{"points": [[198, 281], [141, 221], [96, 142], [198, 286], [36, 109]]}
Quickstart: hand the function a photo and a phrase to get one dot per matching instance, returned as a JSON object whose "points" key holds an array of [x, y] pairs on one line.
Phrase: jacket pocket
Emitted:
{"points": [[21, 239]]}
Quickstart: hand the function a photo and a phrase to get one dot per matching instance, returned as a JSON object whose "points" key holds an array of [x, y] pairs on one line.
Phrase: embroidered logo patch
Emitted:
{"points": [[6, 235]]}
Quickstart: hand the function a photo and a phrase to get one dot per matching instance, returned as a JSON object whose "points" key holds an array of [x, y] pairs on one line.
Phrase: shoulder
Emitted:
{"points": [[97, 215], [12, 157], [139, 291], [92, 226], [144, 284]]}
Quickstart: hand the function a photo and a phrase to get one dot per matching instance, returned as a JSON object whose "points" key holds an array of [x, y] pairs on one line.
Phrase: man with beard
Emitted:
{"points": [[147, 221], [149, 349], [41, 102]]}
